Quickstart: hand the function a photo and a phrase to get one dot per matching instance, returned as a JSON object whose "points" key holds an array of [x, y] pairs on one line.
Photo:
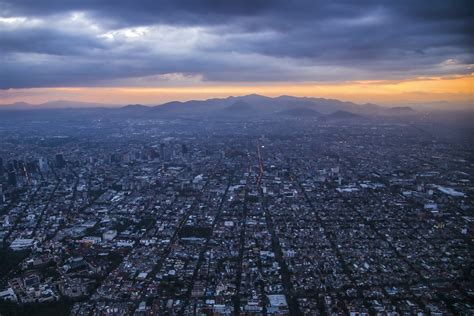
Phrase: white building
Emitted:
{"points": [[109, 235], [8, 295], [22, 244], [277, 303]]}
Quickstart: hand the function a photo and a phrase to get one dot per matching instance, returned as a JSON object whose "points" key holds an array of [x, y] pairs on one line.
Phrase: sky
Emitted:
{"points": [[150, 52]]}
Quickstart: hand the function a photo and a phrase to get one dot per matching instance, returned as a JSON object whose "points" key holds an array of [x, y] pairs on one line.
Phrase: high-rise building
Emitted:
{"points": [[43, 165], [2, 196], [21, 168], [60, 162], [162, 151], [12, 179], [184, 149]]}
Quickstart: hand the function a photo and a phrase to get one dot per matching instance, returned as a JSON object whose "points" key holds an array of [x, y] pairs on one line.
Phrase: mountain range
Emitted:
{"points": [[248, 106]]}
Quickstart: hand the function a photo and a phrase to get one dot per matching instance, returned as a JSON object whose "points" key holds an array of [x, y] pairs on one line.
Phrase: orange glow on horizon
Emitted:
{"points": [[416, 90]]}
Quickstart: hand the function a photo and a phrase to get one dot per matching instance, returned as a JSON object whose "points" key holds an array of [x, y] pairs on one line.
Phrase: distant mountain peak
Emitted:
{"points": [[399, 110], [134, 106], [255, 95], [66, 104]]}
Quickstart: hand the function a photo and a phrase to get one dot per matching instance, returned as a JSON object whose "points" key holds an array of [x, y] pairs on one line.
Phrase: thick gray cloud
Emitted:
{"points": [[86, 42]]}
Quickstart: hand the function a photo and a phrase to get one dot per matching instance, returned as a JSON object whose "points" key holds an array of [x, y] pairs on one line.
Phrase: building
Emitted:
{"points": [[109, 235], [12, 180], [8, 295], [22, 244], [60, 162], [43, 165], [277, 303]]}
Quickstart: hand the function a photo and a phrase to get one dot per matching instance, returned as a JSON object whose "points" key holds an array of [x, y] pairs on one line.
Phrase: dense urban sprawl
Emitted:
{"points": [[182, 217]]}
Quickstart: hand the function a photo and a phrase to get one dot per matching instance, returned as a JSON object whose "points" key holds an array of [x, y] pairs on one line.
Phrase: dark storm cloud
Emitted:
{"points": [[127, 13], [47, 41], [235, 40]]}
